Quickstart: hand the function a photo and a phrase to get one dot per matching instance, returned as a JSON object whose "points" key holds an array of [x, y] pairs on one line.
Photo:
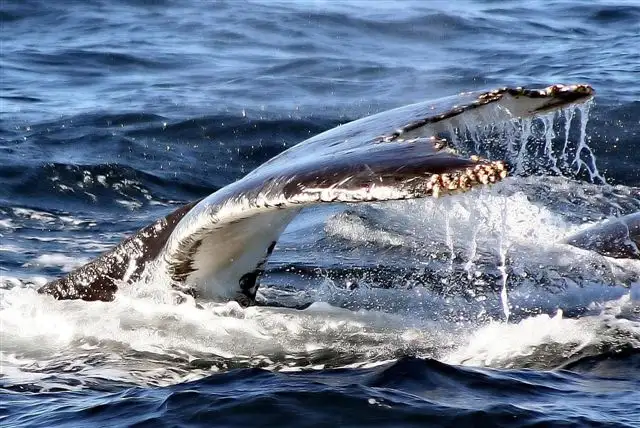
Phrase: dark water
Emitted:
{"points": [[114, 113]]}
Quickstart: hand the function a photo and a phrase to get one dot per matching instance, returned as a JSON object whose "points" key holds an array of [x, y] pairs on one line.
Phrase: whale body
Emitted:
{"points": [[617, 237]]}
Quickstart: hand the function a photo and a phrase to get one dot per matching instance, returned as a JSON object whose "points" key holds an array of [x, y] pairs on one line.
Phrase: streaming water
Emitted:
{"points": [[523, 140], [473, 242], [590, 164], [446, 209], [568, 118], [549, 136], [503, 246]]}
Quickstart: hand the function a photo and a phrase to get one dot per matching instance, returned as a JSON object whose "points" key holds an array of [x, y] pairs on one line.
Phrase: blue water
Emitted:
{"points": [[113, 113]]}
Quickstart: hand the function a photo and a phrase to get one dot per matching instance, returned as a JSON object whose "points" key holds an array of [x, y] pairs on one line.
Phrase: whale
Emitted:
{"points": [[618, 237], [216, 247]]}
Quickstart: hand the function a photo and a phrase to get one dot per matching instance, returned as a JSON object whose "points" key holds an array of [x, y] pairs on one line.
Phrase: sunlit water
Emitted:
{"points": [[457, 311]]}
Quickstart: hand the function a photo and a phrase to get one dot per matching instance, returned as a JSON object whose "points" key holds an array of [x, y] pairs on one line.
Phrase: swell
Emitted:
{"points": [[77, 187], [95, 159], [408, 392]]}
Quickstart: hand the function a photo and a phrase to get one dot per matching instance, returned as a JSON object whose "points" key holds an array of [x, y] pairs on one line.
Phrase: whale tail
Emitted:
{"points": [[216, 247]]}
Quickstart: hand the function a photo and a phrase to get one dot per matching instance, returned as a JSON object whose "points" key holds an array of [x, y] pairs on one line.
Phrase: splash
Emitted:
{"points": [[504, 299], [145, 338], [549, 136], [589, 165], [473, 242], [520, 159], [568, 118], [446, 207], [540, 145]]}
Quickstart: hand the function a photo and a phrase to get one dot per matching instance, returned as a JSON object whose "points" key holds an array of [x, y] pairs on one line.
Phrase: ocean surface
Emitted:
{"points": [[460, 311]]}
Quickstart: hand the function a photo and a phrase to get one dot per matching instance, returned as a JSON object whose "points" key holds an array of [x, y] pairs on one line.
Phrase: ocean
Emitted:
{"points": [[458, 311]]}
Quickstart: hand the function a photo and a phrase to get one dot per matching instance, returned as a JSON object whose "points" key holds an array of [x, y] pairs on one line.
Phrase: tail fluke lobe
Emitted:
{"points": [[224, 240], [100, 278]]}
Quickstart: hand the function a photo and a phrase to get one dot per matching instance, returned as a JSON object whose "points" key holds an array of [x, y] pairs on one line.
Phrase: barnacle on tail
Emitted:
{"points": [[484, 173]]}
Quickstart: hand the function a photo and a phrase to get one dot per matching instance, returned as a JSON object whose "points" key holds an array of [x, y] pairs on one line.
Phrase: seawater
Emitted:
{"points": [[456, 312]]}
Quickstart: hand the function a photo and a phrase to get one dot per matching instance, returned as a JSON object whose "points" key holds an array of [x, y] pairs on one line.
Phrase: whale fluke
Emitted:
{"points": [[216, 248], [99, 279]]}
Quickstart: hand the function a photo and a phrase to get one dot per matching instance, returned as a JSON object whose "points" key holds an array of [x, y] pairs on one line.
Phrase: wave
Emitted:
{"points": [[91, 188], [410, 391]]}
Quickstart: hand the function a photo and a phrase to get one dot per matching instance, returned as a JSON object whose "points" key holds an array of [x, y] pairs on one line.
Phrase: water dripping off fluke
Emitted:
{"points": [[522, 150], [549, 135], [578, 162], [538, 145], [503, 247], [448, 233], [568, 118], [473, 246]]}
